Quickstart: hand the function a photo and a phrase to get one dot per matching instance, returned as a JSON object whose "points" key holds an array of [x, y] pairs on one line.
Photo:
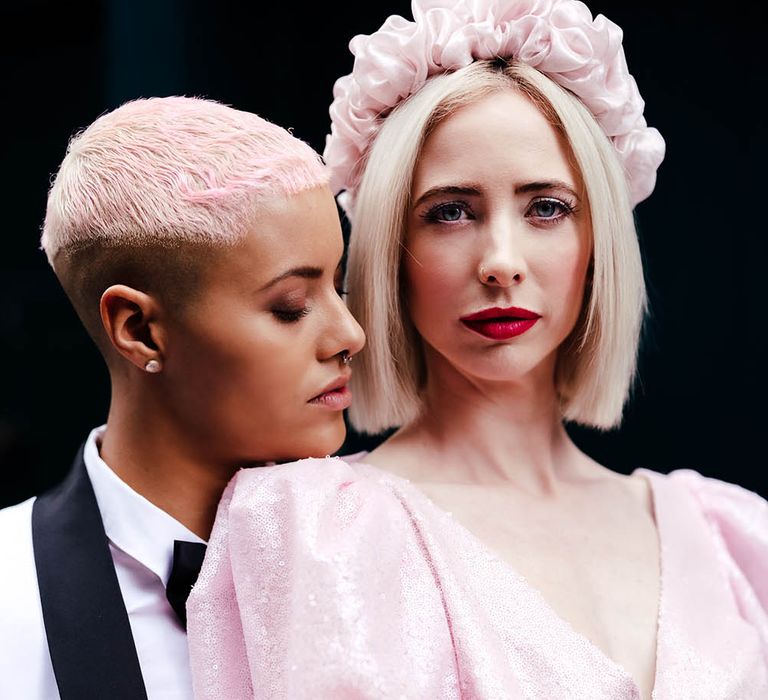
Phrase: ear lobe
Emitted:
{"points": [[131, 322]]}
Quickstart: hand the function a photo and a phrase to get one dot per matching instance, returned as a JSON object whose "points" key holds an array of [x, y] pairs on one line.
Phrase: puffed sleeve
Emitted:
{"points": [[316, 585], [739, 519]]}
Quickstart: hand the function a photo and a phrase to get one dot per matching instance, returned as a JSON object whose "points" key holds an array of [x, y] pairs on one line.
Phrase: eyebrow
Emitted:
{"points": [[466, 190], [548, 185], [305, 272], [472, 190]]}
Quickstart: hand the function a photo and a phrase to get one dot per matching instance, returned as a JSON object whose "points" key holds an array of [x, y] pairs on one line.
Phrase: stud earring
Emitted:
{"points": [[152, 366]]}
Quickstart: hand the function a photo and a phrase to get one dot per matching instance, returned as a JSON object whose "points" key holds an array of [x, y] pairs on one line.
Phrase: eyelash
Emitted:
{"points": [[566, 209], [290, 316], [432, 215], [293, 316]]}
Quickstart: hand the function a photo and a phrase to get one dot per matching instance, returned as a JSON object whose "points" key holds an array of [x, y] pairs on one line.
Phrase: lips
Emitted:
{"points": [[336, 396], [501, 324]]}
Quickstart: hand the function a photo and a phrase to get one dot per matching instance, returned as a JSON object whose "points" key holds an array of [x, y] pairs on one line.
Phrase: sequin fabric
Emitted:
{"points": [[330, 579]]}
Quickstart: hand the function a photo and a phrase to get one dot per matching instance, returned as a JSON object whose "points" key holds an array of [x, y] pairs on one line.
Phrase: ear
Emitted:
{"points": [[132, 322]]}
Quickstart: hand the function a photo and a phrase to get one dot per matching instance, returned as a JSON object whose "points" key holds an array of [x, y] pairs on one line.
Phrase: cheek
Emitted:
{"points": [[566, 271], [247, 355], [275, 357], [434, 274], [563, 274]]}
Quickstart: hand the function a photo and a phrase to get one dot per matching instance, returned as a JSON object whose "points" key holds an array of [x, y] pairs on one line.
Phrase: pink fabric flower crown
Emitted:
{"points": [[557, 37]]}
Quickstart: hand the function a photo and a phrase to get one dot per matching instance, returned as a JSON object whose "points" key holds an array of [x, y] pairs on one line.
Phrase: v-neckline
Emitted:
{"points": [[546, 606]]}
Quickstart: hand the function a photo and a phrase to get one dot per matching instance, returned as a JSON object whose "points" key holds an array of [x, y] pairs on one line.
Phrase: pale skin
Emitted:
{"points": [[490, 446], [239, 366]]}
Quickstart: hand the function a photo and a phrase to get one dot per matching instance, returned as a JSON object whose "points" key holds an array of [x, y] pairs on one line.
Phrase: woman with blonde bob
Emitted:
{"points": [[597, 364], [489, 156]]}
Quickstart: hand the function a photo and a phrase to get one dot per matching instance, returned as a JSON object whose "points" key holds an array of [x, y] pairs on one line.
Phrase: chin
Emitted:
{"points": [[509, 372], [502, 363], [315, 442]]}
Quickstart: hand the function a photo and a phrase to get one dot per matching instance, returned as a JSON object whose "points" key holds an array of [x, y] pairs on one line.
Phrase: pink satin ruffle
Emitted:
{"points": [[558, 37]]}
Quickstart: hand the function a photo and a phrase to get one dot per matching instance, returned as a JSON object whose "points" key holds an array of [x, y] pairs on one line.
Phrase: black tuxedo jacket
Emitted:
{"points": [[86, 623]]}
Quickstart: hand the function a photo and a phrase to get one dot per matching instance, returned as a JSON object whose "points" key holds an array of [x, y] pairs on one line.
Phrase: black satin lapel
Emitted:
{"points": [[89, 636]]}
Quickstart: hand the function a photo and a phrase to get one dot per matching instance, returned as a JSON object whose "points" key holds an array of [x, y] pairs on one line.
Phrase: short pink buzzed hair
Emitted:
{"points": [[172, 170]]}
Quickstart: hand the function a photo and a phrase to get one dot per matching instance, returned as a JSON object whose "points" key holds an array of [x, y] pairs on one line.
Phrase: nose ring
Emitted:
{"points": [[485, 277], [346, 358]]}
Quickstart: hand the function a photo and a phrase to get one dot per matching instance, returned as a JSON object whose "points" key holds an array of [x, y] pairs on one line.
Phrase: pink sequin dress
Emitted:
{"points": [[327, 579]]}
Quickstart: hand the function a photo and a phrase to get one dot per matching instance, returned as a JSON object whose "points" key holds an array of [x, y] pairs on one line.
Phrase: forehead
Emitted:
{"points": [[294, 231], [502, 136]]}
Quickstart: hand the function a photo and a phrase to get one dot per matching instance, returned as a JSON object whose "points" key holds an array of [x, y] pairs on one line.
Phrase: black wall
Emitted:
{"points": [[701, 400]]}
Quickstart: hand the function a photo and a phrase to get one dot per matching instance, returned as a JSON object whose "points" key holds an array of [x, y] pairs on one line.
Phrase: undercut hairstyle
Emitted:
{"points": [[597, 362], [149, 190]]}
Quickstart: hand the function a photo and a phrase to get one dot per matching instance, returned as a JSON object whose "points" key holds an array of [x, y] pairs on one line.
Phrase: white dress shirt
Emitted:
{"points": [[141, 539]]}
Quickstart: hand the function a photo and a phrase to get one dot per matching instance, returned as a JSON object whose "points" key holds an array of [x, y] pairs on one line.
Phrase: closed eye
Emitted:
{"points": [[290, 315]]}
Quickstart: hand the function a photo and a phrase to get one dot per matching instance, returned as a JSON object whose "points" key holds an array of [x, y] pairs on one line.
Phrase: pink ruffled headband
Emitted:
{"points": [[557, 37]]}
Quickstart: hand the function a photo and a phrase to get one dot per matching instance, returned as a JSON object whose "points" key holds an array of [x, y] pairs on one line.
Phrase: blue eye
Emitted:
{"points": [[448, 212], [451, 213], [548, 209]]}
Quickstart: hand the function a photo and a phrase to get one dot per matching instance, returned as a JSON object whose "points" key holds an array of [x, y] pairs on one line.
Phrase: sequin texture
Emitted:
{"points": [[329, 579]]}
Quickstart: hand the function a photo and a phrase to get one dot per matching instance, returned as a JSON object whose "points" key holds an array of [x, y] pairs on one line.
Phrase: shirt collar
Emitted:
{"points": [[133, 524]]}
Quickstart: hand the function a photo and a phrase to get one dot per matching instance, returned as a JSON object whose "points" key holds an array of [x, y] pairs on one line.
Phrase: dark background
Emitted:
{"points": [[701, 400]]}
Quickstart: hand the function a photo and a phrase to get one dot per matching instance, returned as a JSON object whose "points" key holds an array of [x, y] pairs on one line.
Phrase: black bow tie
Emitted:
{"points": [[187, 560]]}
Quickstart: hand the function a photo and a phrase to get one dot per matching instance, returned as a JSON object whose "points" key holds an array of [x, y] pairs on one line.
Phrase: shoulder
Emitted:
{"points": [[740, 515], [722, 501], [311, 480], [16, 534], [18, 561], [317, 519], [738, 519], [317, 562], [22, 634], [330, 493]]}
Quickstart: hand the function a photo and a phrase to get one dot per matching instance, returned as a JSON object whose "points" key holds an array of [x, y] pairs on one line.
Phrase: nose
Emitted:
{"points": [[346, 337], [502, 261]]}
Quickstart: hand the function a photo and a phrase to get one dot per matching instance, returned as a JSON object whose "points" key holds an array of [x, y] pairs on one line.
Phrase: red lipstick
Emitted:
{"points": [[501, 324], [336, 396]]}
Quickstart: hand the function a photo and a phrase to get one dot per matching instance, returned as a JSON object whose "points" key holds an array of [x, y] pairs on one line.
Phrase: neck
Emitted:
{"points": [[495, 432], [158, 460]]}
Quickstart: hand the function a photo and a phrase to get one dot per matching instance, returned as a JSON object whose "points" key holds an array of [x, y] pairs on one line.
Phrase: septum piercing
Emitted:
{"points": [[346, 358]]}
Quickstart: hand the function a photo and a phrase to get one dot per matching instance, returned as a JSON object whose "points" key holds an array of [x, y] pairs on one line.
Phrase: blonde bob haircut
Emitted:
{"points": [[597, 362]]}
